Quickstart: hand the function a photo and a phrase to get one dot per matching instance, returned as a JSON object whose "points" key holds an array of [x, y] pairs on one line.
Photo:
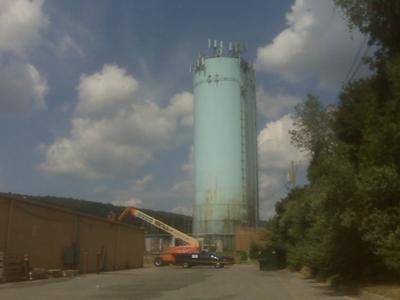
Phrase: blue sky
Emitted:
{"points": [[95, 96]]}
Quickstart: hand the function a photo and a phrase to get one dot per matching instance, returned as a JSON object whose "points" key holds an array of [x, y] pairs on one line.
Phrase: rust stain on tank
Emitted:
{"points": [[210, 203]]}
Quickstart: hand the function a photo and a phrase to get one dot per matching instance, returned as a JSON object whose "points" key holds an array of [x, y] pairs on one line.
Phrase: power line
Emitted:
{"points": [[359, 65], [355, 59]]}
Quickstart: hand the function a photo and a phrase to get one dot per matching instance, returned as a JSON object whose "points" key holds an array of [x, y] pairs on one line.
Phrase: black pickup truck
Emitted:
{"points": [[202, 259]]}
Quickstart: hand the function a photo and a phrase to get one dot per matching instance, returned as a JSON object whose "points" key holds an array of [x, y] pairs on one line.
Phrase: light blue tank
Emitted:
{"points": [[225, 148]]}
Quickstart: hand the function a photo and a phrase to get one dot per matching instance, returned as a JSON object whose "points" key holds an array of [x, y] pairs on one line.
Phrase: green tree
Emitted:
{"points": [[347, 219], [313, 131], [379, 19]]}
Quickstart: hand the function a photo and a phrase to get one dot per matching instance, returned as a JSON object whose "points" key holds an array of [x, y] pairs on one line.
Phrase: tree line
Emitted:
{"points": [[102, 210], [346, 220]]}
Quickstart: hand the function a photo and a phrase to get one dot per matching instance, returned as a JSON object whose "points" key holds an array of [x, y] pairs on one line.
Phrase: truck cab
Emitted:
{"points": [[202, 258]]}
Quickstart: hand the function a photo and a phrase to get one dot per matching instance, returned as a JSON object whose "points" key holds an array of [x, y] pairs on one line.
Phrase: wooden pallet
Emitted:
{"points": [[13, 268], [38, 273]]}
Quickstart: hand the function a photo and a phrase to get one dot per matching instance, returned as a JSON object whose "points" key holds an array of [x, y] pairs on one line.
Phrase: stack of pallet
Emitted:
{"points": [[1, 266], [13, 268], [38, 273]]}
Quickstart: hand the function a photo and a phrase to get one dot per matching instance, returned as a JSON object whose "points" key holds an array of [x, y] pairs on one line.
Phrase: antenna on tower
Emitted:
{"points": [[220, 48]]}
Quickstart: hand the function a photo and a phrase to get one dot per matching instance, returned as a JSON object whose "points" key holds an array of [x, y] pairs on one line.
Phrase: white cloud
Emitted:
{"points": [[273, 105], [272, 188], [268, 184], [188, 165], [140, 184], [315, 45], [39, 86], [106, 91], [22, 87], [114, 131], [20, 24], [182, 210], [68, 47], [183, 188], [275, 154], [88, 154], [274, 147], [267, 209], [182, 106]]}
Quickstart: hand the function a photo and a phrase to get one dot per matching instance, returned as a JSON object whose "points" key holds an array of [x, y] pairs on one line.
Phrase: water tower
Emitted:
{"points": [[225, 144]]}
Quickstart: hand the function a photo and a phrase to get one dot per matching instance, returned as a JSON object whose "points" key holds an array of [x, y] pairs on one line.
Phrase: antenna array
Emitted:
{"points": [[217, 47], [234, 49]]}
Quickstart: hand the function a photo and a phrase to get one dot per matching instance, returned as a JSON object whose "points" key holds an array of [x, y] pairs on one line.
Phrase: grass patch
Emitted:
{"points": [[391, 291]]}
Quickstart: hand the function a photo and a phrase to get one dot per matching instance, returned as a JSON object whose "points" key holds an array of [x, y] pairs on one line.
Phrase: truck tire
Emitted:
{"points": [[219, 265], [186, 265], [158, 262]]}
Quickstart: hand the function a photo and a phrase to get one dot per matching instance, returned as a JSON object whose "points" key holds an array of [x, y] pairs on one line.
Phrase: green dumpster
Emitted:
{"points": [[272, 259]]}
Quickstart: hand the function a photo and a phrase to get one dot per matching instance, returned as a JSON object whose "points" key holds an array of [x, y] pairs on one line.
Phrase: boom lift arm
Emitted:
{"points": [[157, 223]]}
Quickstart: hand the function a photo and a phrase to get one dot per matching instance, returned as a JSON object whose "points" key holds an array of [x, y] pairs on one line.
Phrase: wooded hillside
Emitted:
{"points": [[180, 222]]}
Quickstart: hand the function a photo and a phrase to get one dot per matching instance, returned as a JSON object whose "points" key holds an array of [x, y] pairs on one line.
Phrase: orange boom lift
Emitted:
{"points": [[168, 257]]}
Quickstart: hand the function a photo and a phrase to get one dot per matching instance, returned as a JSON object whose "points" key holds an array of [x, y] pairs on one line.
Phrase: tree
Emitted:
{"points": [[379, 19], [313, 131], [346, 221]]}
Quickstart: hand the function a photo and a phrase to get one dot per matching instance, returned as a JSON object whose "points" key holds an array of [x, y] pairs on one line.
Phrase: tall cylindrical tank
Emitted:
{"points": [[225, 153]]}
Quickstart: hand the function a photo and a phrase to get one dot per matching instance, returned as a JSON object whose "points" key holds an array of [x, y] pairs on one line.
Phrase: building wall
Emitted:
{"points": [[246, 236], [47, 233], [4, 206]]}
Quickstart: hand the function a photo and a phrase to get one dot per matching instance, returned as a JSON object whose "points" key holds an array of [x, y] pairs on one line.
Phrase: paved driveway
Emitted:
{"points": [[198, 283]]}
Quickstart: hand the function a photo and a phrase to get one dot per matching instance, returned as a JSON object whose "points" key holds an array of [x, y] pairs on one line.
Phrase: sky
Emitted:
{"points": [[96, 96]]}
